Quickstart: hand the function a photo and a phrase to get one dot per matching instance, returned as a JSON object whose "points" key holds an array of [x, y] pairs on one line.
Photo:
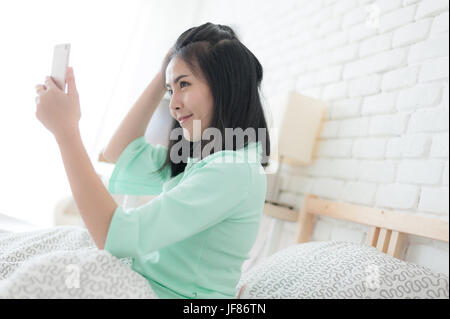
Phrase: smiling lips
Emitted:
{"points": [[183, 119]]}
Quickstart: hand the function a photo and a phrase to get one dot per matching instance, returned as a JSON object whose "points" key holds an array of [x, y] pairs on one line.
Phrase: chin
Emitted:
{"points": [[193, 139], [188, 136]]}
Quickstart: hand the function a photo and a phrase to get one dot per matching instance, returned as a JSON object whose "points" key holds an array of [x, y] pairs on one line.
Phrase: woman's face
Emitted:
{"points": [[189, 96]]}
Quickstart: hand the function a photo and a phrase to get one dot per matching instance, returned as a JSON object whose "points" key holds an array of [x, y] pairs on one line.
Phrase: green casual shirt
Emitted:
{"points": [[192, 239]]}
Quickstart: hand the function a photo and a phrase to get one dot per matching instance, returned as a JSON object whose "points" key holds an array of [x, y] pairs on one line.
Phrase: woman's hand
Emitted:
{"points": [[165, 63], [59, 112]]}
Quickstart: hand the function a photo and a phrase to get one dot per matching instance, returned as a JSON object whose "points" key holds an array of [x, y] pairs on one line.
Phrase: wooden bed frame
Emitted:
{"points": [[386, 228]]}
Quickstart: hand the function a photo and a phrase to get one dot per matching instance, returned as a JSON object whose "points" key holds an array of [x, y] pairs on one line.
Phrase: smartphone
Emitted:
{"points": [[60, 63]]}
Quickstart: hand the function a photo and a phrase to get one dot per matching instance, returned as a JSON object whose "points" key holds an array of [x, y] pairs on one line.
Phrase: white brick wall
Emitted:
{"points": [[420, 172], [334, 148], [411, 33], [408, 146], [400, 78], [434, 199], [431, 8], [377, 171], [375, 45], [429, 120], [428, 49], [439, 148], [418, 96], [379, 103], [402, 196], [361, 193], [440, 24], [383, 125], [345, 108], [381, 66], [364, 86], [445, 177], [397, 18], [369, 148], [436, 69], [377, 63]]}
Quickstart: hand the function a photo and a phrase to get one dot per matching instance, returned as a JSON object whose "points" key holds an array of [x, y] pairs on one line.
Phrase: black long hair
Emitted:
{"points": [[214, 52]]}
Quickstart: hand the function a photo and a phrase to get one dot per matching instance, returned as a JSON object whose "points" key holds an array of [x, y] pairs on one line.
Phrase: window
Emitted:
{"points": [[102, 34]]}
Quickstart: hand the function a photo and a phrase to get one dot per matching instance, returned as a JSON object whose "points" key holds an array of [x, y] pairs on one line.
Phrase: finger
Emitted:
{"points": [[70, 78], [40, 88], [49, 82]]}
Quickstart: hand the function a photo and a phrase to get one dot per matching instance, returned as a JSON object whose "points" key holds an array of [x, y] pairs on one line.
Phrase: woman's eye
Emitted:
{"points": [[171, 92]]}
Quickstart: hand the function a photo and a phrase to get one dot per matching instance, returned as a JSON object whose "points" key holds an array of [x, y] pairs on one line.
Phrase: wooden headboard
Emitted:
{"points": [[386, 227]]}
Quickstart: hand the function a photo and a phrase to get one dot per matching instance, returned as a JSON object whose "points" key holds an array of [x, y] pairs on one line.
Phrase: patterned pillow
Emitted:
{"points": [[339, 270]]}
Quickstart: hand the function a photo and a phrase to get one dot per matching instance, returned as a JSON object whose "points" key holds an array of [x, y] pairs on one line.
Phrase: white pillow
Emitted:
{"points": [[336, 270]]}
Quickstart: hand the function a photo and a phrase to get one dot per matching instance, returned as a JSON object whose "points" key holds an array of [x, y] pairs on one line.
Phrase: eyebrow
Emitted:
{"points": [[176, 80]]}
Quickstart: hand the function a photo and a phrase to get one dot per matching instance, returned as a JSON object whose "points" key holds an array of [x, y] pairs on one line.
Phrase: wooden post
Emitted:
{"points": [[395, 244], [383, 240], [372, 236], [305, 222]]}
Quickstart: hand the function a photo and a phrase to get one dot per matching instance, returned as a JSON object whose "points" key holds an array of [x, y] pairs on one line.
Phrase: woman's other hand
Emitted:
{"points": [[165, 63]]}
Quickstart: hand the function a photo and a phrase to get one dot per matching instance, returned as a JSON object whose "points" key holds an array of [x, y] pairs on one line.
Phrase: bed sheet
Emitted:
{"points": [[63, 262]]}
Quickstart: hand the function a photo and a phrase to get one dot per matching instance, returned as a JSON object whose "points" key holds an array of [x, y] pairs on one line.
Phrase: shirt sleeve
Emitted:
{"points": [[134, 172], [206, 197]]}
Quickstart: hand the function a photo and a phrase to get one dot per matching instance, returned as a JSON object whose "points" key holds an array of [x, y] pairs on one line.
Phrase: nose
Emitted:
{"points": [[175, 103]]}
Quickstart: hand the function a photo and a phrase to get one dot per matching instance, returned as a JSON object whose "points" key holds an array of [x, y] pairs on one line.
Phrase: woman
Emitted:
{"points": [[192, 239]]}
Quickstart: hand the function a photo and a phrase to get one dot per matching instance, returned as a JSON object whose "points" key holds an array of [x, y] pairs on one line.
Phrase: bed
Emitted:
{"points": [[63, 262], [336, 269]]}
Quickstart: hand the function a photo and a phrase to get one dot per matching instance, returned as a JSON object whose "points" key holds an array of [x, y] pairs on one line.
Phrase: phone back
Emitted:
{"points": [[60, 63]]}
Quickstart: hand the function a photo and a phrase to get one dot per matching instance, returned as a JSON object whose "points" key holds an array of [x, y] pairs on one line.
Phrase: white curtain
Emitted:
{"points": [[117, 46], [32, 175]]}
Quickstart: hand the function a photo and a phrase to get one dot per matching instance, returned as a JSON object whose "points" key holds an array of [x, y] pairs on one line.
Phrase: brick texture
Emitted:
{"points": [[382, 68]]}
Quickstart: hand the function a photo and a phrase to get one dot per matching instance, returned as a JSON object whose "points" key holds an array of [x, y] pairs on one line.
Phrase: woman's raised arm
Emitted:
{"points": [[136, 121]]}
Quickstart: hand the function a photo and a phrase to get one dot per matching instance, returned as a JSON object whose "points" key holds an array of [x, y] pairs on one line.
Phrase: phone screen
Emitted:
{"points": [[60, 63]]}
